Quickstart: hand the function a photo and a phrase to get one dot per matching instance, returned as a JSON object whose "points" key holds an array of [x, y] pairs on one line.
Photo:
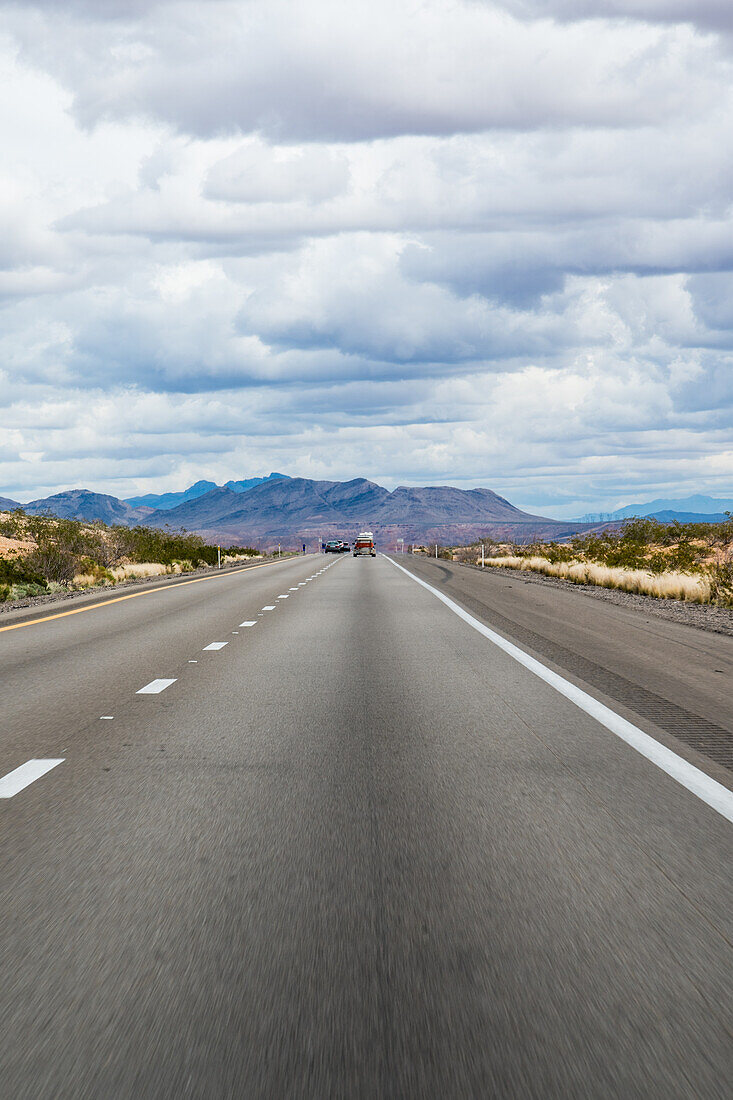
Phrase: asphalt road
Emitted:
{"points": [[360, 850]]}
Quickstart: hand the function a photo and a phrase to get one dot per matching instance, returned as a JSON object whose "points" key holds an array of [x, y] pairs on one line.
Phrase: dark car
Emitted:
{"points": [[333, 547]]}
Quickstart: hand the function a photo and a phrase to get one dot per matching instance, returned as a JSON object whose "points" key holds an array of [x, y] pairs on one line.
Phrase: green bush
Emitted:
{"points": [[92, 568], [141, 544], [721, 583], [19, 571], [648, 544], [12, 526], [65, 547], [556, 551], [19, 591]]}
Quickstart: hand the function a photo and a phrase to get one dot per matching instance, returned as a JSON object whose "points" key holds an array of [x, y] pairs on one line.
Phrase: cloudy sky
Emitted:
{"points": [[420, 241]]}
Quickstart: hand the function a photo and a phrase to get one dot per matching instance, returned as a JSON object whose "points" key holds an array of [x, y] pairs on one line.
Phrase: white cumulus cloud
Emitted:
{"points": [[472, 241]]}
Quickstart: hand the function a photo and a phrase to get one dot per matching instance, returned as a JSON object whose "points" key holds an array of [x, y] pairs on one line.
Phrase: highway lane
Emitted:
{"points": [[58, 672], [675, 678], [358, 851]]}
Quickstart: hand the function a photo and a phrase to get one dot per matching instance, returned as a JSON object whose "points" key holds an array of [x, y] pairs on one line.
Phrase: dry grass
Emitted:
{"points": [[665, 586], [130, 571], [138, 570]]}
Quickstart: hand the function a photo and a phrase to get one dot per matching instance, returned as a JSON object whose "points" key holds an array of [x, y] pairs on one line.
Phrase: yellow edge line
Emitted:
{"points": [[134, 595]]}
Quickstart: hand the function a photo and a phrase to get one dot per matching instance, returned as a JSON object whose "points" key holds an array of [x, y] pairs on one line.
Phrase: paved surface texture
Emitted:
{"points": [[676, 678], [357, 851]]}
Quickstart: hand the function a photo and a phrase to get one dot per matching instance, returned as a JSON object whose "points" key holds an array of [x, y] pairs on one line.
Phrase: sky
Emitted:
{"points": [[421, 241]]}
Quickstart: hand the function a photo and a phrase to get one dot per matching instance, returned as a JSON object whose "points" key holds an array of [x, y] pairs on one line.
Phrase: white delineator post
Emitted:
{"points": [[218, 555], [482, 555]]}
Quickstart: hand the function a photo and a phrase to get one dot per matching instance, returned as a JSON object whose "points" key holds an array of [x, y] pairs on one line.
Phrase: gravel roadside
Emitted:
{"points": [[716, 620]]}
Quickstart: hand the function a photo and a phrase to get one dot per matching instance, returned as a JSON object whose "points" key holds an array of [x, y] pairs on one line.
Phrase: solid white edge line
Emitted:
{"points": [[155, 687], [26, 774], [714, 794]]}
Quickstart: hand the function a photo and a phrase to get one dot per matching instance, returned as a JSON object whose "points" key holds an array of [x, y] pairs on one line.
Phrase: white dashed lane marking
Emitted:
{"points": [[32, 770], [154, 687], [26, 774]]}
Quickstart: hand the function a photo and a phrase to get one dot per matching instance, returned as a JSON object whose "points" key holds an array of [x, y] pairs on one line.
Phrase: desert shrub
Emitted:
{"points": [[179, 565], [59, 546], [19, 571], [648, 544], [594, 546], [720, 575], [19, 591], [13, 526], [55, 563], [657, 562], [144, 544], [65, 548], [105, 546], [683, 558], [555, 552], [91, 568]]}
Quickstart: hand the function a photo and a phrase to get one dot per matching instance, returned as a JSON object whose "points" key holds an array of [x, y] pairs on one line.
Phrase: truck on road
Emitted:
{"points": [[365, 545]]}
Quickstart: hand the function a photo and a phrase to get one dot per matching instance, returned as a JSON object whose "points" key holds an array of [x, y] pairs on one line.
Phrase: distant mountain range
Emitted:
{"points": [[165, 501], [264, 510], [692, 509], [281, 508], [82, 504]]}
